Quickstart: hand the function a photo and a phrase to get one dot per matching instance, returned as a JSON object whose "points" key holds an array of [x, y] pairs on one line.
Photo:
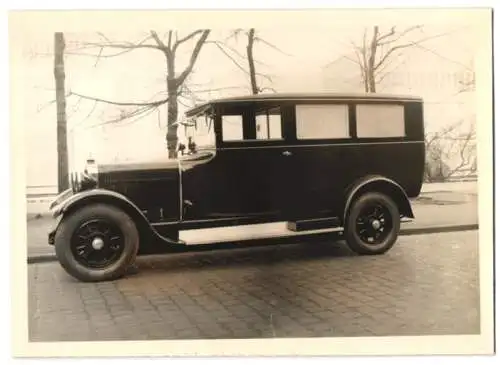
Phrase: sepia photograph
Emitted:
{"points": [[190, 178]]}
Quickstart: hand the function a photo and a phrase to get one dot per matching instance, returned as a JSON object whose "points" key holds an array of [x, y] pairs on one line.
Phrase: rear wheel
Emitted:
{"points": [[97, 243], [372, 224]]}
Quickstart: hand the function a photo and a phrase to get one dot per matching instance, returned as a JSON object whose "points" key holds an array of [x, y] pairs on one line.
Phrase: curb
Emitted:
{"points": [[46, 258], [39, 259], [439, 229]]}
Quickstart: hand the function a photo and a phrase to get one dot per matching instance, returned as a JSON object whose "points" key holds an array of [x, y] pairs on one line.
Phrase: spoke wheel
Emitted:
{"points": [[97, 243], [372, 225]]}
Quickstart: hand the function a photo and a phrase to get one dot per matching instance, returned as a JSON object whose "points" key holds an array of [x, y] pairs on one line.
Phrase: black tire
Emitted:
{"points": [[69, 239], [358, 226]]}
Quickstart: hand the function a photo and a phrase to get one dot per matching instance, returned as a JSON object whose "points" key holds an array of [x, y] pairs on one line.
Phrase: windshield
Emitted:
{"points": [[200, 130]]}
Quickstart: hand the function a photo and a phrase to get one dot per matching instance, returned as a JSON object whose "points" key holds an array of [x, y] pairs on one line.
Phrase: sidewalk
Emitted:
{"points": [[435, 210], [469, 187]]}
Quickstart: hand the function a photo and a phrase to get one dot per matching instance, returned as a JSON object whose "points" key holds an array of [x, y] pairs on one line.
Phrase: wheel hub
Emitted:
{"points": [[97, 243], [376, 224]]}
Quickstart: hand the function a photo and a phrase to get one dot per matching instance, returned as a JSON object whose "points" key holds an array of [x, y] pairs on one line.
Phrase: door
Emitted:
{"points": [[241, 179], [249, 156], [313, 164]]}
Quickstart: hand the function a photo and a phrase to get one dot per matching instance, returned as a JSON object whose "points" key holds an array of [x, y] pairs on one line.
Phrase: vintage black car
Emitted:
{"points": [[311, 160]]}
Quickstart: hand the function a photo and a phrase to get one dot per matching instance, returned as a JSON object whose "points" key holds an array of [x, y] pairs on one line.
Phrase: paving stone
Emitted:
{"points": [[420, 287]]}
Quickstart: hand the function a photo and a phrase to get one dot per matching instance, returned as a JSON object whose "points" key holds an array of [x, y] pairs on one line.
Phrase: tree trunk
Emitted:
{"points": [[371, 62], [173, 112], [62, 142], [365, 82], [372, 86], [251, 63]]}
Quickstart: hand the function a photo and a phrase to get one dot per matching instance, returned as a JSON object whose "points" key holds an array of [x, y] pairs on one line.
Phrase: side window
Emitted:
{"points": [[232, 128], [322, 121], [378, 121], [268, 124]]}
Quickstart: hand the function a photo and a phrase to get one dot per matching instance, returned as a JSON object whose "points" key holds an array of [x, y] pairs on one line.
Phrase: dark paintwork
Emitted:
{"points": [[253, 181], [153, 187]]}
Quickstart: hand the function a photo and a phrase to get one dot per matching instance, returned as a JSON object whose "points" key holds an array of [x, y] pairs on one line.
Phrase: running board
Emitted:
{"points": [[313, 224], [168, 234]]}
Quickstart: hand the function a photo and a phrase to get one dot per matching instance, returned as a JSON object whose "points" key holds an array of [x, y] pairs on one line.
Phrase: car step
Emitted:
{"points": [[313, 224]]}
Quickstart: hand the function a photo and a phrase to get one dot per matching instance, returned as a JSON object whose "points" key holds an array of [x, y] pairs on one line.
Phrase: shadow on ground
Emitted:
{"points": [[262, 252]]}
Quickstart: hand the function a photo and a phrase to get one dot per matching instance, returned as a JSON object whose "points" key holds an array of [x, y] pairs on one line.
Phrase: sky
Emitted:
{"points": [[302, 63]]}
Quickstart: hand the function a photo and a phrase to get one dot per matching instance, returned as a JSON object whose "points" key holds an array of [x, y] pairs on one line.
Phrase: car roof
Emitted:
{"points": [[300, 97]]}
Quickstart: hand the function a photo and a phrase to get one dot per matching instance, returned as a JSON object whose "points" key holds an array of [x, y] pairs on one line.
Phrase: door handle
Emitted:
{"points": [[286, 153]]}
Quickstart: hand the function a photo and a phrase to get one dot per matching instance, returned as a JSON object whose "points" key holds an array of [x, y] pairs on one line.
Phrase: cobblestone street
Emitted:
{"points": [[428, 284]]}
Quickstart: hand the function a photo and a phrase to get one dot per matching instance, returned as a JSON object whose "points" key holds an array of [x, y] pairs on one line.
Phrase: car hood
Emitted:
{"points": [[138, 166]]}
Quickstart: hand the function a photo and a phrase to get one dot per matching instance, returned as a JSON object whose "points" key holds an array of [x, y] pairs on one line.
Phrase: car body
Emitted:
{"points": [[306, 159]]}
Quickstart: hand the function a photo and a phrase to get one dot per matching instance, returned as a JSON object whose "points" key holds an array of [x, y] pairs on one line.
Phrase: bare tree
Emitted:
{"points": [[175, 81], [251, 62], [236, 57], [62, 141], [467, 79], [374, 54], [450, 152]]}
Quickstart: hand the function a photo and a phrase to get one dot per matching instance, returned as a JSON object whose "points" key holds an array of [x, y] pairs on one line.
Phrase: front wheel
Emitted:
{"points": [[96, 243], [372, 225]]}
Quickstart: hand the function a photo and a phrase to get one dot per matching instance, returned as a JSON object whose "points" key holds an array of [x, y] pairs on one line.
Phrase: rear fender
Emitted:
{"points": [[378, 184]]}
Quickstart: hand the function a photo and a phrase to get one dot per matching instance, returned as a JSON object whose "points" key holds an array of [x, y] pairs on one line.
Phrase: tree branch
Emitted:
{"points": [[140, 113], [390, 51], [120, 45], [443, 57], [194, 56], [153, 103], [235, 51], [410, 44], [104, 37], [268, 88], [258, 39], [267, 77], [402, 34], [157, 39], [217, 89], [235, 33], [170, 39], [391, 33], [186, 38], [128, 47], [360, 64]]}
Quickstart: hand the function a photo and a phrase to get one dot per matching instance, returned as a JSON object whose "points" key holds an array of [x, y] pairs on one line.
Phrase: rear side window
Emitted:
{"points": [[322, 121], [380, 121]]}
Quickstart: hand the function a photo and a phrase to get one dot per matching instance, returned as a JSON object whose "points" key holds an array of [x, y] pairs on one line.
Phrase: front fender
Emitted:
{"points": [[73, 202], [66, 201], [381, 184]]}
